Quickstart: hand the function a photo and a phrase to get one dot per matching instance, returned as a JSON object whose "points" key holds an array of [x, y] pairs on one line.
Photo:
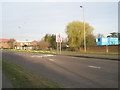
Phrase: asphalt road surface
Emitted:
{"points": [[69, 72]]}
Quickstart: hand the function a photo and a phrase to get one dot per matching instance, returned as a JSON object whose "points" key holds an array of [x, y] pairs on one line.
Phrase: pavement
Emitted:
{"points": [[69, 72]]}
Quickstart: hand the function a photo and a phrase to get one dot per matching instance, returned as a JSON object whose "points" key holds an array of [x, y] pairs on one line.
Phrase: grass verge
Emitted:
{"points": [[104, 53], [54, 52], [33, 51], [22, 78], [107, 58]]}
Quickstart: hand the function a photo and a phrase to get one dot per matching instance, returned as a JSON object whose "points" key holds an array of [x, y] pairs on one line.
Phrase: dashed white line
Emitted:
{"points": [[43, 55], [51, 59], [49, 55], [94, 67], [36, 56]]}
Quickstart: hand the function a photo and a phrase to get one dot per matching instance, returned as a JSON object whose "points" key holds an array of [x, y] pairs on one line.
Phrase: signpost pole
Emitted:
{"points": [[60, 47], [58, 40], [57, 48]]}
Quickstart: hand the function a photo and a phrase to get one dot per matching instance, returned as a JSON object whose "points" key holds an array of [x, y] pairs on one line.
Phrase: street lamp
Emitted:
{"points": [[84, 29]]}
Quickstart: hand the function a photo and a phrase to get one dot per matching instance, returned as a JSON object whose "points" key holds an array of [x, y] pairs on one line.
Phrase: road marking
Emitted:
{"points": [[36, 56], [51, 59], [77, 57], [73, 57], [48, 55], [94, 67]]}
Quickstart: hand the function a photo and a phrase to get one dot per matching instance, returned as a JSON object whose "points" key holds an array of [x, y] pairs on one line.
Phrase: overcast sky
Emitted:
{"points": [[32, 20]]}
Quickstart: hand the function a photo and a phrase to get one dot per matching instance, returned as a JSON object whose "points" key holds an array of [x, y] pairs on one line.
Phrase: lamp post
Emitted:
{"points": [[84, 29]]}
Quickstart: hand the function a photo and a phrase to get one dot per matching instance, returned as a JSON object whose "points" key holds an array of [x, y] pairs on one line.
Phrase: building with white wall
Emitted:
{"points": [[23, 45]]}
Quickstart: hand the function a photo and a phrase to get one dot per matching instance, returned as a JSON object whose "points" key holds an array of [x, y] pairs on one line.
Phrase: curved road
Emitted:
{"points": [[69, 72]]}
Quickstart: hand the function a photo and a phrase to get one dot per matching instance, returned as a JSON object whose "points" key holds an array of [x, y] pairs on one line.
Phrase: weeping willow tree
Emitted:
{"points": [[75, 32]]}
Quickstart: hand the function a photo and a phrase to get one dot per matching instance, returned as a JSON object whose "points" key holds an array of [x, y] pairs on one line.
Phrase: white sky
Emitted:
{"points": [[32, 20]]}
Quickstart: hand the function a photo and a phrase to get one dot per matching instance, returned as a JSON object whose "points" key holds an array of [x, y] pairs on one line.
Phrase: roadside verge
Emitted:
{"points": [[22, 78], [95, 57]]}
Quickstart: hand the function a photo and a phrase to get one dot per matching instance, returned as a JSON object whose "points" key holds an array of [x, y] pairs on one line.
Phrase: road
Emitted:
{"points": [[69, 72]]}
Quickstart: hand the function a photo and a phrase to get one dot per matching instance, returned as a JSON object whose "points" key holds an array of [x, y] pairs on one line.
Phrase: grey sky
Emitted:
{"points": [[32, 20]]}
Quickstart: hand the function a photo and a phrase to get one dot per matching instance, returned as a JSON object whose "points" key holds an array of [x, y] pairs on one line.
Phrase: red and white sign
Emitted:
{"points": [[58, 37]]}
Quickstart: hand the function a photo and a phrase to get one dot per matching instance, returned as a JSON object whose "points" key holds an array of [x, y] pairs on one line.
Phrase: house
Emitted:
{"points": [[6, 43], [23, 45], [35, 45]]}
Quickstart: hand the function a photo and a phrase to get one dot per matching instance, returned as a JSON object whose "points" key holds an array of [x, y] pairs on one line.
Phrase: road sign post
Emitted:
{"points": [[57, 48], [59, 41], [60, 47]]}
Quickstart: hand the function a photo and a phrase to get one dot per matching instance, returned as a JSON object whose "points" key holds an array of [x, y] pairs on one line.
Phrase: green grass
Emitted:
{"points": [[22, 78], [78, 52], [107, 58], [33, 51], [54, 52]]}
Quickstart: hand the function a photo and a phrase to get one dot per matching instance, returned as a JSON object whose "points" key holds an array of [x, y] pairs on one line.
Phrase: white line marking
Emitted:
{"points": [[49, 55], [36, 56], [51, 59], [94, 67], [77, 58], [43, 55]]}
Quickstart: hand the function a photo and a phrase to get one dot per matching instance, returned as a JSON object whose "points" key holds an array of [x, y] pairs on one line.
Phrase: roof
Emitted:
{"points": [[4, 40], [24, 41]]}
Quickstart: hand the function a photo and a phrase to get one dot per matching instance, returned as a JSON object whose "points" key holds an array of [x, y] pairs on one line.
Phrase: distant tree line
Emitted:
{"points": [[75, 37]]}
